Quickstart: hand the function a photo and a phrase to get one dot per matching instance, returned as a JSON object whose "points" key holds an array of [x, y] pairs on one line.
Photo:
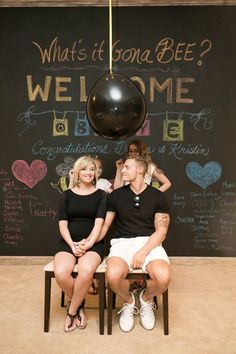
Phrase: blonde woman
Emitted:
{"points": [[82, 210]]}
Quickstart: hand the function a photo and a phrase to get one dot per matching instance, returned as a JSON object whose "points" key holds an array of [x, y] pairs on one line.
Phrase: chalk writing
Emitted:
{"points": [[53, 151], [228, 188], [173, 129], [26, 117], [30, 119], [55, 52], [81, 126], [165, 51], [178, 200], [145, 130], [157, 87], [209, 217], [18, 207], [38, 210], [179, 150]]}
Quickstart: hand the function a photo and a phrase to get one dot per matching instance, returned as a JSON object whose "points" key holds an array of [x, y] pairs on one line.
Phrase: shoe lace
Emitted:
{"points": [[147, 308], [128, 310]]}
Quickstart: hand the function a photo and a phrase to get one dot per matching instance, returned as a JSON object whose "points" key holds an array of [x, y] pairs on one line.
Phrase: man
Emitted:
{"points": [[141, 217]]}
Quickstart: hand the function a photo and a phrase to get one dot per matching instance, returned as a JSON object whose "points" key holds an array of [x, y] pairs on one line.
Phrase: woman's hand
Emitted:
{"points": [[119, 164], [77, 250]]}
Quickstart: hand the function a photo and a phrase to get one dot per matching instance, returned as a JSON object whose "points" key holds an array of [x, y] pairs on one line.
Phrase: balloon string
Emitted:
{"points": [[110, 36]]}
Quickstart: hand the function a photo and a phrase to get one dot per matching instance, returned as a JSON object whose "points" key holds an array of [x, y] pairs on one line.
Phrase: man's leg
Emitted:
{"points": [[159, 272], [117, 270]]}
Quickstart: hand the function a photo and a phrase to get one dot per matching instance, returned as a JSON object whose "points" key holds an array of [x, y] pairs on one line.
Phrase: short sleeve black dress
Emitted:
{"points": [[81, 211]]}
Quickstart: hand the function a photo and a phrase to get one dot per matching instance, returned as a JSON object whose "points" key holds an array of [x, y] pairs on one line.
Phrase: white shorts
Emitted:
{"points": [[125, 248]]}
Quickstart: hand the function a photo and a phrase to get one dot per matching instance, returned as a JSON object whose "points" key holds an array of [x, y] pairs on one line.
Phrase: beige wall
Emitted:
{"points": [[57, 3]]}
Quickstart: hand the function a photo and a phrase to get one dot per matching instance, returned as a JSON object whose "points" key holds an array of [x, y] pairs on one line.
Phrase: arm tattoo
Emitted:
{"points": [[162, 220]]}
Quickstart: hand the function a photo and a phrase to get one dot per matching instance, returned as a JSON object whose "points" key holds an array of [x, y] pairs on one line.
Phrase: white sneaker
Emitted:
{"points": [[127, 315], [147, 315]]}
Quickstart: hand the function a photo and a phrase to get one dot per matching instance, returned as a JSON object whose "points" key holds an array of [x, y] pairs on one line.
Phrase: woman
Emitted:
{"points": [[137, 147], [102, 183], [82, 211]]}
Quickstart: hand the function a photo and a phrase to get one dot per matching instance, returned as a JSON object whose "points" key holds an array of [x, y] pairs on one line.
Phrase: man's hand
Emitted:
{"points": [[138, 260]]}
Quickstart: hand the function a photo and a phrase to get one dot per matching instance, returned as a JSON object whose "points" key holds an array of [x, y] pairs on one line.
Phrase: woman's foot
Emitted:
{"points": [[93, 290], [81, 318], [70, 322]]}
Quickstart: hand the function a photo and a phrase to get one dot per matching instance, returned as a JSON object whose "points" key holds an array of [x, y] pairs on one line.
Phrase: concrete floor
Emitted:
{"points": [[202, 311]]}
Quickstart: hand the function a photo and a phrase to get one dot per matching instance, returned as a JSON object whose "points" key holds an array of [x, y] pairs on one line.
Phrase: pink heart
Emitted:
{"points": [[29, 175]]}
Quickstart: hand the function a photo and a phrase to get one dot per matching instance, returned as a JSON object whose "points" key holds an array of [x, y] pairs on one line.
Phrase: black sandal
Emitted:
{"points": [[72, 318], [81, 307]]}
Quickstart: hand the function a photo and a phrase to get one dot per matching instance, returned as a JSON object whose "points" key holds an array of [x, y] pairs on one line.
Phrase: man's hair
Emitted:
{"points": [[140, 161]]}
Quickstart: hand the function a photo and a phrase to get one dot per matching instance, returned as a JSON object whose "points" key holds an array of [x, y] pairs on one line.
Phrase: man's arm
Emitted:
{"points": [[161, 224], [110, 216]]}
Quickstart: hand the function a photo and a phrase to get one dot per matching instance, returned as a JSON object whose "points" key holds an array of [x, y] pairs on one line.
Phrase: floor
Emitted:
{"points": [[202, 311]]}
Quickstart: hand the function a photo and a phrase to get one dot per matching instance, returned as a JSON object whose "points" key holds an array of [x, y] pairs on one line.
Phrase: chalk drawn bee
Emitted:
{"points": [[63, 170]]}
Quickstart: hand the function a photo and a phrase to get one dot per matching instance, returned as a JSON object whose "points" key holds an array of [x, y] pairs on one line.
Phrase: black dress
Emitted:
{"points": [[81, 211]]}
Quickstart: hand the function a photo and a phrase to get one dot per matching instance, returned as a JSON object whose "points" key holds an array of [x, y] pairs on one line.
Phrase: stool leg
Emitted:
{"points": [[47, 300], [62, 299], [101, 279], [105, 301], [109, 309], [165, 312]]}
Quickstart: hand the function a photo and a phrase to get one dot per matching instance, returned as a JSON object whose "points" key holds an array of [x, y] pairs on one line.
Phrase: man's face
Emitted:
{"points": [[129, 170]]}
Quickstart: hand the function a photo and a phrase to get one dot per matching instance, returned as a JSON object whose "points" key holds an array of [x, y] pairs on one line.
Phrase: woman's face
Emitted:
{"points": [[99, 167], [133, 151], [87, 174]]}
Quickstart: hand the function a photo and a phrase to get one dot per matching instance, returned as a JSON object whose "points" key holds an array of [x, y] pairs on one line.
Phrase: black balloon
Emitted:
{"points": [[116, 107]]}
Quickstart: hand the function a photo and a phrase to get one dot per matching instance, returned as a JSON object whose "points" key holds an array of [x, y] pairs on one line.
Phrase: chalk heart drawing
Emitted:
{"points": [[29, 175], [206, 175]]}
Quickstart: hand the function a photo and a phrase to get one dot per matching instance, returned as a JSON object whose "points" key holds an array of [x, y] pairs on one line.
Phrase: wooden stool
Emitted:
{"points": [[99, 275], [137, 274]]}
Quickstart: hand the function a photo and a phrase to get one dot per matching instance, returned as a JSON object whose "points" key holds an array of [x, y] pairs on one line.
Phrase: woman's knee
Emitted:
{"points": [[62, 273], [63, 265], [86, 271]]}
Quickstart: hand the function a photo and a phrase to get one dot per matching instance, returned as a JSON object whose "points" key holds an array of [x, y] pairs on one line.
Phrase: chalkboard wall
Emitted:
{"points": [[183, 58]]}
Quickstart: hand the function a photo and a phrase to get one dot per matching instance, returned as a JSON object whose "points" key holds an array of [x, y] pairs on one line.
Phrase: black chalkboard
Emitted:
{"points": [[184, 60]]}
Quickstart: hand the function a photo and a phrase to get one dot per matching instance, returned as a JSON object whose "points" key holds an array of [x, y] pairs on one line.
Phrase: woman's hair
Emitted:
{"points": [[97, 158], [142, 149], [79, 165], [143, 152]]}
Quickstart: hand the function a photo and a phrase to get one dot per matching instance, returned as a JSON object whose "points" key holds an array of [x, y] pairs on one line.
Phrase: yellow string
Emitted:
{"points": [[110, 36]]}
